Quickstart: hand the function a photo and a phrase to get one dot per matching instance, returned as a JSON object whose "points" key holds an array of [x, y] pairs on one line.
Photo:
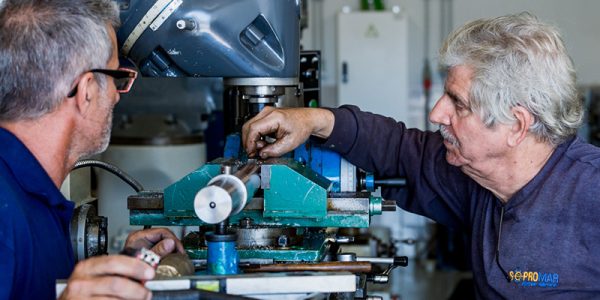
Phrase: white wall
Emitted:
{"points": [[577, 20]]}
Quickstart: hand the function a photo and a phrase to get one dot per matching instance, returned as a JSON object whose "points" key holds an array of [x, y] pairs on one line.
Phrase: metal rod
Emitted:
{"points": [[352, 267], [246, 171], [391, 182]]}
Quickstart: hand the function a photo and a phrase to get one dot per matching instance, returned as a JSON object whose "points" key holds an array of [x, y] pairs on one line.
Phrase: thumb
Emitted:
{"points": [[164, 247]]}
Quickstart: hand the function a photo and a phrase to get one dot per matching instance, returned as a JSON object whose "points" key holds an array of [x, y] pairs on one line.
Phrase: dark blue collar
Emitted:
{"points": [[27, 170]]}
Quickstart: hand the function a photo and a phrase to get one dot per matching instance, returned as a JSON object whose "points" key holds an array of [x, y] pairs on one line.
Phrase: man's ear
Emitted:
{"points": [[87, 89], [520, 128]]}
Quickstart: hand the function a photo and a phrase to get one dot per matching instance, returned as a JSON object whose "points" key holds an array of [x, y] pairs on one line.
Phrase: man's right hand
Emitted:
{"points": [[289, 126], [108, 277]]}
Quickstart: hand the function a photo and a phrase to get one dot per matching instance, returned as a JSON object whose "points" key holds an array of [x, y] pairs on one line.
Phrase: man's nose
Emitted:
{"points": [[441, 112]]}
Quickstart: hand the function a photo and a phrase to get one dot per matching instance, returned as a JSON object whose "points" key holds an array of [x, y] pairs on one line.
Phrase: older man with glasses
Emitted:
{"points": [[59, 82]]}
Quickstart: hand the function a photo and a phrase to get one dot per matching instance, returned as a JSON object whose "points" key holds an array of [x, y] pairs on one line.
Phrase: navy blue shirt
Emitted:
{"points": [[35, 247], [550, 242]]}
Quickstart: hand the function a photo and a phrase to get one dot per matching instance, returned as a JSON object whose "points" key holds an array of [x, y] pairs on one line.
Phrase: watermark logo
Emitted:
{"points": [[531, 278]]}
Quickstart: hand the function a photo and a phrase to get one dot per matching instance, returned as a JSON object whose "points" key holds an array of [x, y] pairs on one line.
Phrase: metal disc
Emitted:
{"points": [[212, 204]]}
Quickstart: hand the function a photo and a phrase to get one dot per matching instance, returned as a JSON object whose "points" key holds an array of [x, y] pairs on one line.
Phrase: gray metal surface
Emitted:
{"points": [[89, 233], [264, 236], [231, 38]]}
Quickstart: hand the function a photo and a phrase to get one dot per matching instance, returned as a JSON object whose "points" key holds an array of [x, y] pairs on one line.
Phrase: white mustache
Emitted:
{"points": [[449, 137]]}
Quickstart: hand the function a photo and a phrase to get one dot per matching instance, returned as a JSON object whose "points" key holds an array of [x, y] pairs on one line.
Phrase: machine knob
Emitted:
{"points": [[186, 24]]}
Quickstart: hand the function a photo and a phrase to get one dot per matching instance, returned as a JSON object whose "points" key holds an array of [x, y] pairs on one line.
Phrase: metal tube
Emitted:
{"points": [[376, 260], [352, 267], [390, 182]]}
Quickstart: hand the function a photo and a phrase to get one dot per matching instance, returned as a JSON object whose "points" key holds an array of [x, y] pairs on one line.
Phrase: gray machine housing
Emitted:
{"points": [[215, 38]]}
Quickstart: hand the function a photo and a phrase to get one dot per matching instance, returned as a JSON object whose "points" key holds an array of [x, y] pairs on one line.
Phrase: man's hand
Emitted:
{"points": [[109, 277], [290, 127], [160, 240]]}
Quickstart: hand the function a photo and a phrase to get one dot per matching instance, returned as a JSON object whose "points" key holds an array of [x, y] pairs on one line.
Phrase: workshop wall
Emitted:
{"points": [[577, 20]]}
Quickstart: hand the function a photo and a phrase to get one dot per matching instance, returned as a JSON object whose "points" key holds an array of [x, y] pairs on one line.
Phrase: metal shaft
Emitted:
{"points": [[352, 267], [227, 194]]}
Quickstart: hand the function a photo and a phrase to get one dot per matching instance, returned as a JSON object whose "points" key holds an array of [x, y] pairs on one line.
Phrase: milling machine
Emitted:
{"points": [[259, 222]]}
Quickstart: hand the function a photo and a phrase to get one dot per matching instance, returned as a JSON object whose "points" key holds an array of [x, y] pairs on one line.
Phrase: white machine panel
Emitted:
{"points": [[373, 48]]}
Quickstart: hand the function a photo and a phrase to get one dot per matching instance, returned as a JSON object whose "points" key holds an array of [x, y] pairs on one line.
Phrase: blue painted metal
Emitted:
{"points": [[321, 160], [370, 182], [222, 258], [233, 144]]}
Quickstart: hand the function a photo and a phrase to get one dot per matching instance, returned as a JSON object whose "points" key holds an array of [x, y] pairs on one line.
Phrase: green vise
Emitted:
{"points": [[290, 195]]}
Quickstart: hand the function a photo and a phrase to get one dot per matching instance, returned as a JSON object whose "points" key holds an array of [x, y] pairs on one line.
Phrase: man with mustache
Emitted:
{"points": [[59, 82], [506, 166]]}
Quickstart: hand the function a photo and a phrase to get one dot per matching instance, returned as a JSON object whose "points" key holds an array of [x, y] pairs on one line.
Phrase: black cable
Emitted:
{"points": [[112, 169], [498, 245]]}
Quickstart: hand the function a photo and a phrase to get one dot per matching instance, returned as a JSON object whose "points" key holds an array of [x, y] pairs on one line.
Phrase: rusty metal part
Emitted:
{"points": [[146, 201], [352, 267], [174, 265]]}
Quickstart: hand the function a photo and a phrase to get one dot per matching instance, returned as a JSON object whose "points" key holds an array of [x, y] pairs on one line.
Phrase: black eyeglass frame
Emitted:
{"points": [[120, 73]]}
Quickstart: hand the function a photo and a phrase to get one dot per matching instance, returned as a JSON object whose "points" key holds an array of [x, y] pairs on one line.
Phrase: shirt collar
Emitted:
{"points": [[524, 193], [27, 171]]}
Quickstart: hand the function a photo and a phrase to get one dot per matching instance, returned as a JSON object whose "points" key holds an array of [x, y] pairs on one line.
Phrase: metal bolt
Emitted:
{"points": [[282, 241], [186, 24], [246, 222]]}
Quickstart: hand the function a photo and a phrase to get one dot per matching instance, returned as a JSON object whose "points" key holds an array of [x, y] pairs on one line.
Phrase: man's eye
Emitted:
{"points": [[458, 104]]}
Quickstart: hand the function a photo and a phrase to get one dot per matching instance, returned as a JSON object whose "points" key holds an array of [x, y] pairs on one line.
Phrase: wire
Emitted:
{"points": [[498, 245], [112, 169]]}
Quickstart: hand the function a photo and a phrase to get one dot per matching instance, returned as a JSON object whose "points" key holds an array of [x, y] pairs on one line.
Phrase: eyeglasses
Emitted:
{"points": [[122, 77]]}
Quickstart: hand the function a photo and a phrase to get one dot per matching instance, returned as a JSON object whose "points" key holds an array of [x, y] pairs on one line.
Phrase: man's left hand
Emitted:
{"points": [[161, 241]]}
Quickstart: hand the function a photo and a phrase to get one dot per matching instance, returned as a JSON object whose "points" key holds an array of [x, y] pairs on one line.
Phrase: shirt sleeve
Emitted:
{"points": [[387, 148]]}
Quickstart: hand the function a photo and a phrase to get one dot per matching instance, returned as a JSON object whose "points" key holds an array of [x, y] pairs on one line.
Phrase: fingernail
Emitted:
{"points": [[169, 245]]}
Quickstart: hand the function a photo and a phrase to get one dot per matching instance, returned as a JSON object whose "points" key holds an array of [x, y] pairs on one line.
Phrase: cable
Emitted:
{"points": [[112, 169]]}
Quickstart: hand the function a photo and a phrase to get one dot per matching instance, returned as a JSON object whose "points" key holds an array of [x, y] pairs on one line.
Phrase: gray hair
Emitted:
{"points": [[45, 46], [518, 61]]}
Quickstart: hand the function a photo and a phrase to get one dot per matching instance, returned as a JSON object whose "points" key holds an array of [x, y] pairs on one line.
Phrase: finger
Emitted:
{"points": [[149, 237], [106, 287], [246, 127], [114, 265], [277, 149], [164, 247], [259, 128], [245, 130], [260, 144]]}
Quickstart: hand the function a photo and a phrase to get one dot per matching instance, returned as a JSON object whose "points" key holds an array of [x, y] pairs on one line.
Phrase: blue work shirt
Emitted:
{"points": [[35, 247]]}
